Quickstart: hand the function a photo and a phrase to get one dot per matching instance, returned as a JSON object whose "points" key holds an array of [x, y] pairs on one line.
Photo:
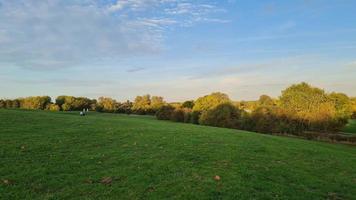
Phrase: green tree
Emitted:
{"points": [[156, 103], [188, 104], [125, 107], [265, 100], [315, 107], [210, 101], [353, 105], [107, 104], [142, 104], [2, 104], [343, 104]]}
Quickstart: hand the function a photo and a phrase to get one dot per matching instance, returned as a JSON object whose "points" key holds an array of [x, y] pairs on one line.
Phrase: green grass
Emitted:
{"points": [[48, 155], [350, 127]]}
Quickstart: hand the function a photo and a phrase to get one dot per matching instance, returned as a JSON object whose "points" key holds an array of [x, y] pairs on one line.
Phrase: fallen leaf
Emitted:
{"points": [[106, 180], [88, 181], [217, 178]]}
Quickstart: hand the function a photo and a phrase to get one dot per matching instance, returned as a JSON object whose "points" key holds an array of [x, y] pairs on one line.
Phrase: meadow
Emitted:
{"points": [[61, 155]]}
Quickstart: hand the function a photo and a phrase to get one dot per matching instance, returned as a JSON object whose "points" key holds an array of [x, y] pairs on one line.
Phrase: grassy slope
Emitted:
{"points": [[351, 127], [62, 155]]}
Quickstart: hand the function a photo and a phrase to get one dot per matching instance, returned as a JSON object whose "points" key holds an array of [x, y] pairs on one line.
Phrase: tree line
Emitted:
{"points": [[301, 108]]}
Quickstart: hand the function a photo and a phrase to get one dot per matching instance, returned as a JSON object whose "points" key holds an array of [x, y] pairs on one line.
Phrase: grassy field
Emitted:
{"points": [[351, 127], [48, 155]]}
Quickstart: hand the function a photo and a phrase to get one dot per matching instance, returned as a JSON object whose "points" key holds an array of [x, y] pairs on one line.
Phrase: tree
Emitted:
{"points": [[224, 115], [302, 99], [353, 103], [36, 103], [156, 103], [322, 112], [265, 101], [142, 104], [188, 104], [66, 107], [53, 107], [106, 104], [210, 101], [125, 107], [343, 104], [65, 102], [2, 104]]}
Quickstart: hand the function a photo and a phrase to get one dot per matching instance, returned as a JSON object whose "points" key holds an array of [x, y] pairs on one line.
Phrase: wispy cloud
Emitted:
{"points": [[52, 34], [135, 69]]}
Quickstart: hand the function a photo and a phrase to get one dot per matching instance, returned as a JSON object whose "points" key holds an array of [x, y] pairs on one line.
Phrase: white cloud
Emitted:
{"points": [[55, 34]]}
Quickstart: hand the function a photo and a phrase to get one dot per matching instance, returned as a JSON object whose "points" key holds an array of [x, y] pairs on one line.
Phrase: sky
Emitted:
{"points": [[177, 49]]}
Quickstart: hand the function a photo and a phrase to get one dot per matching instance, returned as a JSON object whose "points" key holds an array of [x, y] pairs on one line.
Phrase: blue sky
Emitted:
{"points": [[178, 49]]}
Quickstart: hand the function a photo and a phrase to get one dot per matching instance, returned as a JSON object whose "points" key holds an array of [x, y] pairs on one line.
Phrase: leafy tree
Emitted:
{"points": [[353, 103], [2, 104], [66, 107], [156, 103], [106, 104], [125, 107], [37, 102], [53, 107], [248, 106], [188, 104], [343, 104], [194, 117], [322, 112], [75, 103], [302, 99], [8, 103], [210, 101], [224, 115], [142, 104], [265, 100]]}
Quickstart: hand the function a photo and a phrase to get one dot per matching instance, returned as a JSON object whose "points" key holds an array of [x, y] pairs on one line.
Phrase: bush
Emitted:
{"points": [[194, 117], [2, 104], [188, 104], [272, 119], [53, 107], [165, 112], [178, 115], [224, 115], [187, 115], [66, 107]]}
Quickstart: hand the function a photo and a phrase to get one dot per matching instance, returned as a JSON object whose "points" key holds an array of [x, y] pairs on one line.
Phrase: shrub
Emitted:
{"points": [[178, 115], [224, 115], [188, 104], [273, 119], [165, 112], [194, 117], [187, 115], [66, 107], [53, 107]]}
